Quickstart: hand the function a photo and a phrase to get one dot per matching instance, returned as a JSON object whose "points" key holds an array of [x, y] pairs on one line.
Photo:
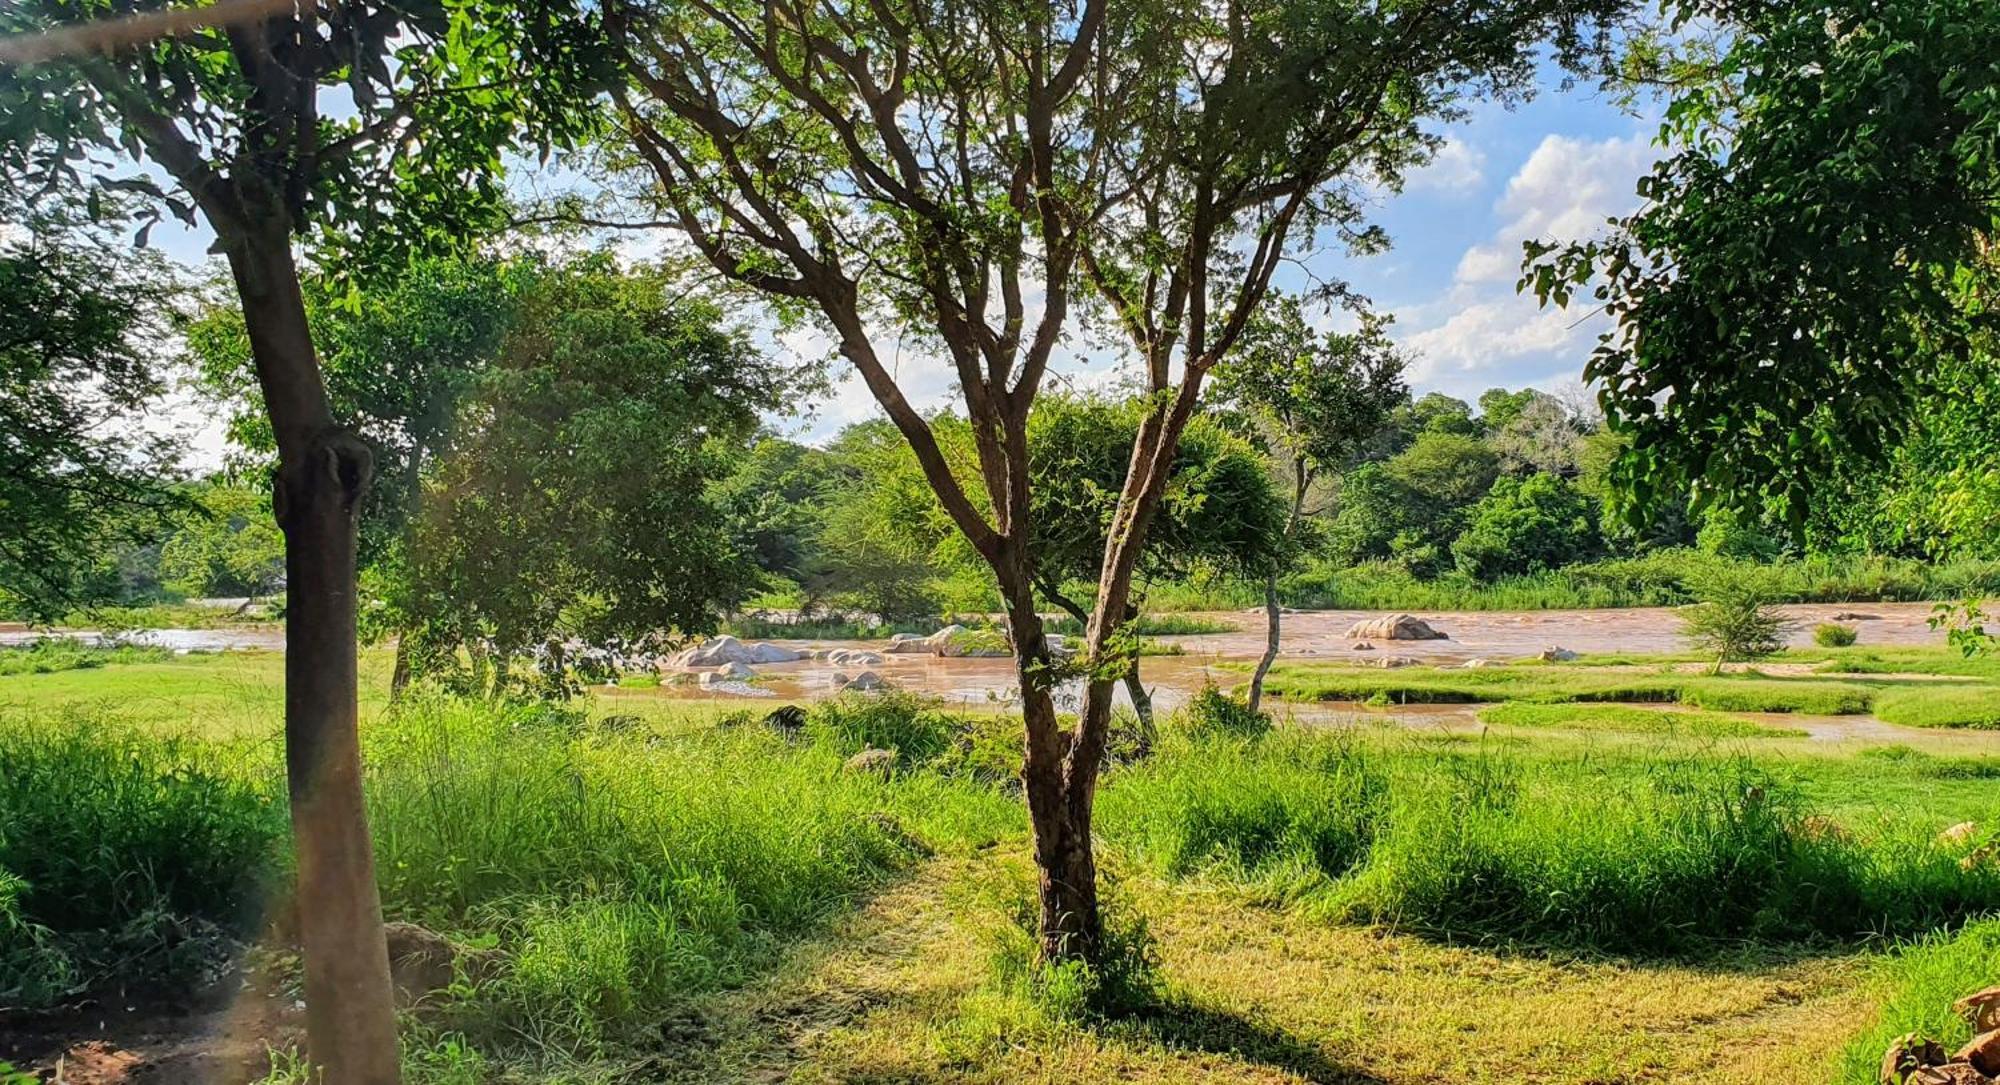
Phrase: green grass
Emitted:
{"points": [[1630, 719], [1151, 625], [1940, 704], [1748, 692], [52, 654], [1914, 990]]}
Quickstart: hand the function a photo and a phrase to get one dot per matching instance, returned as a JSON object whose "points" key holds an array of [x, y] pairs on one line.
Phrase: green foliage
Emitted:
{"points": [[917, 730], [1523, 526], [1735, 619], [80, 481], [51, 654], [230, 547], [1773, 307], [1834, 635], [1914, 991], [1212, 713], [1941, 705], [537, 528], [1630, 719], [1122, 981], [1570, 685]]}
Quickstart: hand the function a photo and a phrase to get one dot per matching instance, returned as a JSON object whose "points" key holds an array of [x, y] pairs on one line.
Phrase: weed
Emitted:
{"points": [[1835, 635]]}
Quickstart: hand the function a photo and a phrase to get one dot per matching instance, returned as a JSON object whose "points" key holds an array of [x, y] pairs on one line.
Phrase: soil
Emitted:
{"points": [[223, 1035]]}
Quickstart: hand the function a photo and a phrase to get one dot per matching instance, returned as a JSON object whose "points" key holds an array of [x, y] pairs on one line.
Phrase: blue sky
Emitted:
{"points": [[1553, 168]]}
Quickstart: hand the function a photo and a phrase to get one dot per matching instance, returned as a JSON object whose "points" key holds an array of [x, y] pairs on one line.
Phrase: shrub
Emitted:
{"points": [[917, 728], [1834, 635], [1213, 713], [51, 654], [1735, 619], [1523, 526]]}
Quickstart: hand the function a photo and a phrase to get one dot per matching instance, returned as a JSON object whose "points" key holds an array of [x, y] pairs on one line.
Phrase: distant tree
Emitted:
{"points": [[81, 326], [1735, 620], [881, 529], [1372, 511], [1539, 435], [1499, 408], [774, 502], [225, 103], [1435, 412], [1524, 526], [1447, 469], [575, 502], [1317, 401], [230, 547]]}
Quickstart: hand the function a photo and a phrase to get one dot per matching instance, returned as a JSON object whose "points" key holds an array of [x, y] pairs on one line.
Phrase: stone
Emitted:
{"points": [[787, 720], [908, 644], [727, 649], [1395, 662], [1394, 627], [1556, 655], [1982, 1008], [1476, 664], [422, 961], [1906, 1054], [872, 760], [865, 682], [1852, 616], [1982, 1052], [1961, 833], [1363, 646], [734, 672], [853, 657]]}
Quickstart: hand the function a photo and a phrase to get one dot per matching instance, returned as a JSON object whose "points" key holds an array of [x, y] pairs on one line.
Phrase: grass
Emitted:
{"points": [[1747, 692], [52, 654], [1941, 705], [1150, 625], [1630, 719], [683, 886], [1914, 990]]}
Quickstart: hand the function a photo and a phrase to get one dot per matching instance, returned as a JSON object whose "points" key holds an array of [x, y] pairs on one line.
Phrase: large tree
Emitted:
{"points": [[228, 107], [80, 327], [1317, 400], [978, 175]]}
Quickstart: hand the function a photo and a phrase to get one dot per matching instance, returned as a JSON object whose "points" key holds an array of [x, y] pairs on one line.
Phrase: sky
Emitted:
{"points": [[1552, 169]]}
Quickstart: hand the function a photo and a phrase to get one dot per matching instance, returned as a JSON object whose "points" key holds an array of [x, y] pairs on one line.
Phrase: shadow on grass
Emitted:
{"points": [[1180, 1024]]}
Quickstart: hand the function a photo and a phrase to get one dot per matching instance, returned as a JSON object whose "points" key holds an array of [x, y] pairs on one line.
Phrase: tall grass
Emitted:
{"points": [[1914, 991], [1616, 854], [1748, 692]]}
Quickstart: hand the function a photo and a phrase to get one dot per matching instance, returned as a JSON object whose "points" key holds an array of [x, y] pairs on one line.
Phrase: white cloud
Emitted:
{"points": [[1478, 331], [1458, 167]]}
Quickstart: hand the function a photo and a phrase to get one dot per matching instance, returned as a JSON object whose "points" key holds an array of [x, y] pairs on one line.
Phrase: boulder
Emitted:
{"points": [[727, 649], [1363, 646], [1961, 833], [422, 961], [1982, 1052], [1476, 664], [853, 657], [1555, 655], [865, 682], [1394, 627], [734, 672], [1394, 662], [908, 644], [1907, 1054], [1982, 1008], [787, 720], [872, 760]]}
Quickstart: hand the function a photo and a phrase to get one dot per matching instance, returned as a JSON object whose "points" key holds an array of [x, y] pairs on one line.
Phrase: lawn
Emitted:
{"points": [[677, 886]]}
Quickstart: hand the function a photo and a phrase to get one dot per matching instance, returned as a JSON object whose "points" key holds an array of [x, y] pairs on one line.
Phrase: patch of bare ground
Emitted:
{"points": [[897, 993]]}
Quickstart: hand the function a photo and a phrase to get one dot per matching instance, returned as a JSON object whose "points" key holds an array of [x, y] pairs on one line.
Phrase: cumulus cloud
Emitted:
{"points": [[1458, 167], [1478, 331]]}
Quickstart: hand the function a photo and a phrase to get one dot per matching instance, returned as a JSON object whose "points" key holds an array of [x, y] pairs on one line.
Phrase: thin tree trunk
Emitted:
{"points": [[1272, 621], [323, 472], [1142, 700]]}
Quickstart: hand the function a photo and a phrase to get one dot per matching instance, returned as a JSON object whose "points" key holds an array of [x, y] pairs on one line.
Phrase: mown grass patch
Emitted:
{"points": [[1632, 719], [1941, 705]]}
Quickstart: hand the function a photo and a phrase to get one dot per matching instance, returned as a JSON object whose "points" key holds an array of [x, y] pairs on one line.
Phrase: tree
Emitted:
{"points": [[1317, 400], [78, 481], [1524, 526], [231, 546], [1809, 257], [1735, 619], [774, 501], [977, 173], [1219, 508], [226, 102], [575, 505], [1542, 435]]}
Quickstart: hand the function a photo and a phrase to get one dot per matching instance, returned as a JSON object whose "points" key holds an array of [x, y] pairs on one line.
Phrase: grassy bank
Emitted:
{"points": [[1534, 684]]}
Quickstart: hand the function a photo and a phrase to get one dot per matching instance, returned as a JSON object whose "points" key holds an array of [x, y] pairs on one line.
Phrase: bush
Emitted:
{"points": [[1834, 635], [1735, 619], [51, 654], [917, 728], [1213, 713], [1524, 526]]}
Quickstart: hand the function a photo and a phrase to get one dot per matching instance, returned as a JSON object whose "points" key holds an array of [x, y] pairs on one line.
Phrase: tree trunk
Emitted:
{"points": [[1272, 620], [1142, 701], [323, 472]]}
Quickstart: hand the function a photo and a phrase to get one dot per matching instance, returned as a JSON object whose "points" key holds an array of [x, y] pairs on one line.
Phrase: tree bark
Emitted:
{"points": [[1272, 619], [323, 472], [1142, 700]]}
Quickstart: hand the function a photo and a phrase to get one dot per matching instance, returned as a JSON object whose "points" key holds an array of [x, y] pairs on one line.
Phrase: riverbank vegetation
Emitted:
{"points": [[738, 867]]}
